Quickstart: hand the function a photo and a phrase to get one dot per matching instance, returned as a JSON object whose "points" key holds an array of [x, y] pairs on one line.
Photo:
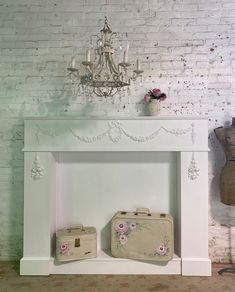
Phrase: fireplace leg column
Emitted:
{"points": [[194, 213], [39, 194]]}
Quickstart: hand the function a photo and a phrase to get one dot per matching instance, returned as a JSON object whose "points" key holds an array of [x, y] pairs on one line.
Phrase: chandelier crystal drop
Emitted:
{"points": [[104, 77]]}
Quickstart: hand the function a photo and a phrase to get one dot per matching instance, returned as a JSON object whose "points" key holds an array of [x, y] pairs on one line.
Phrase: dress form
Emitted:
{"points": [[226, 136]]}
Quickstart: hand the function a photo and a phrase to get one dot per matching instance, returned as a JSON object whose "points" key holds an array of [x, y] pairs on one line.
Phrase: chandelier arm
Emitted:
{"points": [[100, 65], [88, 68], [113, 66], [113, 33], [106, 61]]}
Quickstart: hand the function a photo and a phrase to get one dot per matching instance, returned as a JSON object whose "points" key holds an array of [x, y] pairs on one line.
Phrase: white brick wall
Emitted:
{"points": [[186, 47]]}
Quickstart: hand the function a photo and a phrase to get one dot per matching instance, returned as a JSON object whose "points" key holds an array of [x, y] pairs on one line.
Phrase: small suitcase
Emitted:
{"points": [[142, 235], [76, 243]]}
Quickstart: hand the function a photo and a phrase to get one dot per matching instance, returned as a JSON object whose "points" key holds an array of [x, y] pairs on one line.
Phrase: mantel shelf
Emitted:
{"points": [[157, 118], [118, 149]]}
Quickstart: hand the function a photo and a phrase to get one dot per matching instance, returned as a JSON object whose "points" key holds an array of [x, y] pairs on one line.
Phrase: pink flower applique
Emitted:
{"points": [[132, 226], [64, 247], [162, 250], [121, 227], [123, 239]]}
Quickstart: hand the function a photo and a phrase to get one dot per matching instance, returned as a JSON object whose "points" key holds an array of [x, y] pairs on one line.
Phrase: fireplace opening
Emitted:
{"points": [[93, 186]]}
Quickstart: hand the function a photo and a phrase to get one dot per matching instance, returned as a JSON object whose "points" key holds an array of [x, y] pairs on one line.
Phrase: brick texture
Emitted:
{"points": [[186, 47]]}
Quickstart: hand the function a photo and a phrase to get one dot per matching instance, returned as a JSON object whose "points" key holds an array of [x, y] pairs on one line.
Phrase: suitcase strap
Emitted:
{"points": [[142, 211]]}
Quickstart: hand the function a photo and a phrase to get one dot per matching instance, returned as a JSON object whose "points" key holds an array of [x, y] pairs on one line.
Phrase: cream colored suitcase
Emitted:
{"points": [[142, 235], [76, 243]]}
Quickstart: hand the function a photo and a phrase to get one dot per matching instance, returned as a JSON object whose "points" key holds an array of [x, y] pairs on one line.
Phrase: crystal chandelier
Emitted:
{"points": [[103, 77]]}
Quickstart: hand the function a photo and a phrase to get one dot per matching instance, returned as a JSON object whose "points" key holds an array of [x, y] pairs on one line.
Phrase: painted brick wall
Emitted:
{"points": [[187, 48]]}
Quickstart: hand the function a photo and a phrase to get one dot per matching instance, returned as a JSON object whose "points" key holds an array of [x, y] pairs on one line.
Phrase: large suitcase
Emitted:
{"points": [[142, 235], [75, 243]]}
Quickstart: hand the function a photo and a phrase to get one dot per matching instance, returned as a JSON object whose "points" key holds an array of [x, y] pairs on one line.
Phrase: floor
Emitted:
{"points": [[10, 281]]}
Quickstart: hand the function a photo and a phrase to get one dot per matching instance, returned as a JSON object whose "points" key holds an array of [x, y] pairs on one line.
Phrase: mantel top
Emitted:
{"points": [[115, 134], [118, 118]]}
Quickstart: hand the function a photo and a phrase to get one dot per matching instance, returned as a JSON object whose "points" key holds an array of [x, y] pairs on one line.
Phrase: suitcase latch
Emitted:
{"points": [[77, 242], [162, 215]]}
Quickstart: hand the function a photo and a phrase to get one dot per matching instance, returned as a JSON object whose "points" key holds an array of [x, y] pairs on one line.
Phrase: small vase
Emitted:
{"points": [[154, 107]]}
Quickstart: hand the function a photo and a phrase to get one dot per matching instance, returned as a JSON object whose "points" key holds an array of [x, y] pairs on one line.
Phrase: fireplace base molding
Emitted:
{"points": [[108, 265], [57, 151]]}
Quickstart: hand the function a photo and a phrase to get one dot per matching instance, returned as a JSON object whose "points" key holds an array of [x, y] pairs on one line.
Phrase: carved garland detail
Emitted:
{"points": [[116, 130]]}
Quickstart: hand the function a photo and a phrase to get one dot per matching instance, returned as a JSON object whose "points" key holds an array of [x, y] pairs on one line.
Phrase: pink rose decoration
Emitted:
{"points": [[123, 239], [156, 91], [162, 96], [147, 98], [161, 250], [121, 227], [154, 94], [132, 226], [64, 247]]}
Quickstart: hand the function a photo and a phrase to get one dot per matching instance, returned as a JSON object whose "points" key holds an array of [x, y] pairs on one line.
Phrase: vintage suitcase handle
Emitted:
{"points": [[145, 211], [75, 226]]}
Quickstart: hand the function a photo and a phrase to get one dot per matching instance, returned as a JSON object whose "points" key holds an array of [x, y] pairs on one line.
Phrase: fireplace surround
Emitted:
{"points": [[85, 169]]}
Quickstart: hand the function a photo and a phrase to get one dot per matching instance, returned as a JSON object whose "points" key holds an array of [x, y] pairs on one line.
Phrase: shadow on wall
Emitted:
{"points": [[62, 103], [217, 162], [16, 194]]}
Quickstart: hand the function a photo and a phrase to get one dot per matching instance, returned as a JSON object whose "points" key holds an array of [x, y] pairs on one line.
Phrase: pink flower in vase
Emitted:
{"points": [[121, 227], [162, 96], [147, 98], [156, 92]]}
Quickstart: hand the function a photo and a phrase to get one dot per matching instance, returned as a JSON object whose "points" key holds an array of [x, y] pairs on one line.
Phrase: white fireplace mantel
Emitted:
{"points": [[61, 155]]}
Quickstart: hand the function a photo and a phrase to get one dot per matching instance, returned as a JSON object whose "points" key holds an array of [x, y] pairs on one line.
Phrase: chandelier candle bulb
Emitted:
{"points": [[88, 55], [125, 56], [73, 62], [137, 65], [127, 51]]}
